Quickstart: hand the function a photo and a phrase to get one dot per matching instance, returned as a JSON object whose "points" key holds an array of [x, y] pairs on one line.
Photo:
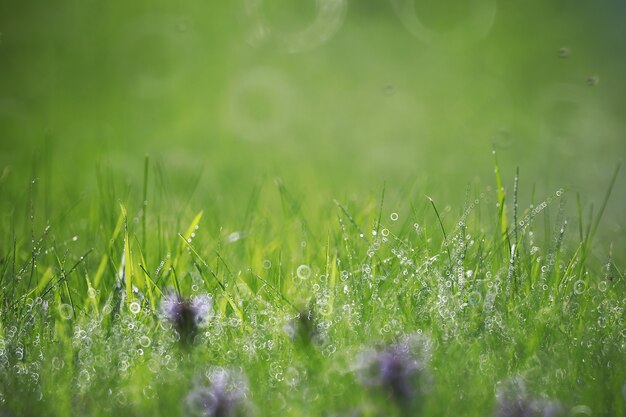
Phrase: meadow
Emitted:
{"points": [[334, 208]]}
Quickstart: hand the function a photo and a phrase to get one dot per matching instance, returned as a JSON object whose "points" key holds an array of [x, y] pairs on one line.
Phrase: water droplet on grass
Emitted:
{"points": [[145, 341], [303, 272], [580, 286], [474, 298], [84, 377], [65, 311], [234, 237], [57, 363], [393, 216], [134, 307]]}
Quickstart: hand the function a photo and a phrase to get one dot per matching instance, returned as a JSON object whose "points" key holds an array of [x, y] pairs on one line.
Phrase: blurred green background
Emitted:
{"points": [[335, 97]]}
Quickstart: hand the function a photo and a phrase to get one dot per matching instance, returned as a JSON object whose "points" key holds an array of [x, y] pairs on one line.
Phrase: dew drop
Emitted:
{"points": [[83, 376], [65, 311], [145, 341], [134, 307], [474, 298], [303, 271]]}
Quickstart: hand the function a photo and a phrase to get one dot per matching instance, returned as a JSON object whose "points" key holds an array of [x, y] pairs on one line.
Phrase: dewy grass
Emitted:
{"points": [[364, 311]]}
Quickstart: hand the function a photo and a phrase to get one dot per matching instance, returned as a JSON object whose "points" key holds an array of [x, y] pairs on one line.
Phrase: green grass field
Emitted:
{"points": [[324, 208]]}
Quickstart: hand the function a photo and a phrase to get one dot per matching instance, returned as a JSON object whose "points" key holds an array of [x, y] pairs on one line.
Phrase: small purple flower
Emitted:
{"points": [[187, 315], [513, 401], [525, 408], [225, 395], [397, 370]]}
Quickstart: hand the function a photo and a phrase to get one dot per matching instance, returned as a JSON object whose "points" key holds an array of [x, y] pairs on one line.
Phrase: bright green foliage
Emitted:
{"points": [[297, 299]]}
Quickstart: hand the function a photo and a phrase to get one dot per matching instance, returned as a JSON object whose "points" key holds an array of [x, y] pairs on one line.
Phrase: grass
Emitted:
{"points": [[488, 293], [319, 227]]}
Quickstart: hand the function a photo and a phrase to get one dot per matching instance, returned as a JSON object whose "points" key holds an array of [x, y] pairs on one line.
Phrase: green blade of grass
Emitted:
{"points": [[127, 260], [501, 197]]}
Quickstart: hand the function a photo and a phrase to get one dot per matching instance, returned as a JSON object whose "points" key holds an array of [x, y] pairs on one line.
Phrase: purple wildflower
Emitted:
{"points": [[513, 401], [397, 370], [225, 395], [187, 315]]}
